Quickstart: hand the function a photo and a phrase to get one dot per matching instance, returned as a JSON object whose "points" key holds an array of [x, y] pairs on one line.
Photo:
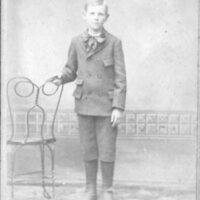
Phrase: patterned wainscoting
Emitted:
{"points": [[135, 124]]}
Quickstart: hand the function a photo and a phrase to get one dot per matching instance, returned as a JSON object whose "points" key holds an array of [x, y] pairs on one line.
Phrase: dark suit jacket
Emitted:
{"points": [[100, 76]]}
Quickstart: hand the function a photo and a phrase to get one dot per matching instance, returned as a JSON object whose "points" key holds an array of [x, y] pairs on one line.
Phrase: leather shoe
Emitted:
{"points": [[108, 195], [88, 195]]}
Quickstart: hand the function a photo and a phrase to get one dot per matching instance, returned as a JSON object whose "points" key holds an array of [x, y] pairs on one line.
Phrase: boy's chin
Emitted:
{"points": [[96, 29]]}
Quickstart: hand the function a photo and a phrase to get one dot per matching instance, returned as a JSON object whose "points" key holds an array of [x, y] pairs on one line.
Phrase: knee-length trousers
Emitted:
{"points": [[97, 138]]}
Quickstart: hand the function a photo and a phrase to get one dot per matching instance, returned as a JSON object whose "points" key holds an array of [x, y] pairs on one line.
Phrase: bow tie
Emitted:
{"points": [[91, 42]]}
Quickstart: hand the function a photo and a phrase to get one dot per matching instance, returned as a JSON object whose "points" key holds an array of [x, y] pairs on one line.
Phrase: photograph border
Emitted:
{"points": [[198, 111], [3, 165]]}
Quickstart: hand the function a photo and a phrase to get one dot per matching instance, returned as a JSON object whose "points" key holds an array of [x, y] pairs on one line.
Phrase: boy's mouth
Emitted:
{"points": [[96, 23]]}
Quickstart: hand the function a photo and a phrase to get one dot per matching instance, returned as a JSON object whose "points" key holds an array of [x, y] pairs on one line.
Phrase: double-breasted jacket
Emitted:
{"points": [[100, 76]]}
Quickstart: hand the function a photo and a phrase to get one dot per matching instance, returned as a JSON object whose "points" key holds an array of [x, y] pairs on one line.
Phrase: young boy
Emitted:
{"points": [[96, 61]]}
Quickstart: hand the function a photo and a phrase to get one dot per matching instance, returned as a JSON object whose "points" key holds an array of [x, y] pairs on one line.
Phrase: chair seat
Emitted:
{"points": [[31, 141]]}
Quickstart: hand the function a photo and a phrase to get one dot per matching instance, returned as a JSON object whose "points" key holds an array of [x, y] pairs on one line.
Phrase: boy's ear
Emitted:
{"points": [[83, 14], [107, 16]]}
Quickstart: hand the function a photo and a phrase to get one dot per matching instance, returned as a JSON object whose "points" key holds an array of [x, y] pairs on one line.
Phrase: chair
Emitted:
{"points": [[33, 102]]}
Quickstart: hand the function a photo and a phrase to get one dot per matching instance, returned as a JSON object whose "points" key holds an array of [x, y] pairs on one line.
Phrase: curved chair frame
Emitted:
{"points": [[42, 142]]}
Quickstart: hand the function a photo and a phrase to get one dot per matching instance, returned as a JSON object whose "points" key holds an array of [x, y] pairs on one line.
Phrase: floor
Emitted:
{"points": [[72, 192]]}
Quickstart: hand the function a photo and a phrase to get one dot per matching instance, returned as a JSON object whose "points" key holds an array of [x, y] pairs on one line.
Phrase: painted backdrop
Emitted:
{"points": [[159, 41]]}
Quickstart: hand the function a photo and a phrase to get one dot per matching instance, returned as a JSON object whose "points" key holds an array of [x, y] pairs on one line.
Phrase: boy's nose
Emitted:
{"points": [[96, 17]]}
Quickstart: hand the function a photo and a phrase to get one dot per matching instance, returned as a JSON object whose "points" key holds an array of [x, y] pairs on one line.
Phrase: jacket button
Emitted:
{"points": [[89, 74], [99, 76], [99, 94]]}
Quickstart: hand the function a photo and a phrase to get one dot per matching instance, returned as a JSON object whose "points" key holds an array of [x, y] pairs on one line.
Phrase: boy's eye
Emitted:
{"points": [[92, 13]]}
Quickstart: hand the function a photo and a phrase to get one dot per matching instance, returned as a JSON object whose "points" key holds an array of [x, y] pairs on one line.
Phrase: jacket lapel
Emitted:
{"points": [[82, 45]]}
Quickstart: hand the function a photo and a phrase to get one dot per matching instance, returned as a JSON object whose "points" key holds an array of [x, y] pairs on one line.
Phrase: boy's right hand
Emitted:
{"points": [[56, 80]]}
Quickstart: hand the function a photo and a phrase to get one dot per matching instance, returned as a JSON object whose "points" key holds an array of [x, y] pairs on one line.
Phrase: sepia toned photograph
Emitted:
{"points": [[100, 100]]}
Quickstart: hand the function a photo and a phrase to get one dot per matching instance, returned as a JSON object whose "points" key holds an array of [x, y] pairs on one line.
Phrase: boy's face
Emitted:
{"points": [[96, 16]]}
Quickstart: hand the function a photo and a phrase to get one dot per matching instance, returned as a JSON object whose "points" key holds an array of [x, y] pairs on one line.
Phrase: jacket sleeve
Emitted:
{"points": [[119, 97], [69, 70]]}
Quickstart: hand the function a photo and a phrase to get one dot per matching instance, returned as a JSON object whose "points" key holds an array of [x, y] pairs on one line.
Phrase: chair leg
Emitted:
{"points": [[52, 152], [12, 175], [42, 151], [13, 158]]}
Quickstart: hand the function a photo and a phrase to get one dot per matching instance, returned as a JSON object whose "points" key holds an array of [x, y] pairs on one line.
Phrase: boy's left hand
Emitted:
{"points": [[116, 115]]}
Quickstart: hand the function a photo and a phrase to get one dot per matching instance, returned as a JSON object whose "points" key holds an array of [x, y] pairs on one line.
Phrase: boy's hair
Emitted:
{"points": [[96, 2]]}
